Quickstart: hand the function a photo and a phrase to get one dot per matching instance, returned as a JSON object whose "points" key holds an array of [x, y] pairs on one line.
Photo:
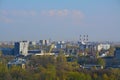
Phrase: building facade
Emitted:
{"points": [[44, 42], [117, 53], [103, 46], [21, 48]]}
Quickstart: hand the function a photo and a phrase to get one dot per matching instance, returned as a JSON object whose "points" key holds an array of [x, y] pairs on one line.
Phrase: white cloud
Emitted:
{"points": [[4, 12], [55, 13], [52, 12], [77, 13], [5, 19], [18, 13], [64, 12], [62, 15], [32, 13], [23, 13]]}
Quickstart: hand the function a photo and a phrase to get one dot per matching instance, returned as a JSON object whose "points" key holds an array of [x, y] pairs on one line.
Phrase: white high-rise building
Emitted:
{"points": [[21, 48], [103, 46]]}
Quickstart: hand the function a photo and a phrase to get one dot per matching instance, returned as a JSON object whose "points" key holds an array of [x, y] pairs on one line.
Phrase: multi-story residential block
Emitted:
{"points": [[32, 43], [44, 42], [60, 45], [21, 48]]}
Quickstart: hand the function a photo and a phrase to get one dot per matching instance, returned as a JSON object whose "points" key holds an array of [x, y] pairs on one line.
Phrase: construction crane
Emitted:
{"points": [[51, 47], [49, 52]]}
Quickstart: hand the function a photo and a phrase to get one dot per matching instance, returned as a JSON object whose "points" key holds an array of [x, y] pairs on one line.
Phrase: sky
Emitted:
{"points": [[59, 19]]}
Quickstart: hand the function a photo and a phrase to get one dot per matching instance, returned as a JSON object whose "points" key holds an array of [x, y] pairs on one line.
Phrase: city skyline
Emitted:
{"points": [[59, 20]]}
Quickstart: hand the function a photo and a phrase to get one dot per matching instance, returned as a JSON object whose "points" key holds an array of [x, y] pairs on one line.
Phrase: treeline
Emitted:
{"points": [[55, 68]]}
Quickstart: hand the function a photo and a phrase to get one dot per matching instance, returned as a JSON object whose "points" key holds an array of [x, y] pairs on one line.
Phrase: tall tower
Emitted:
{"points": [[84, 38], [80, 38], [21, 48]]}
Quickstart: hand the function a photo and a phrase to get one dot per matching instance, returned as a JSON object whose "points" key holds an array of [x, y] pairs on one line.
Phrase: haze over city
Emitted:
{"points": [[59, 19]]}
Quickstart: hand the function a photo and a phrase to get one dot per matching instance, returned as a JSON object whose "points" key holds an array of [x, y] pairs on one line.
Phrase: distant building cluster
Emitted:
{"points": [[47, 47], [83, 47]]}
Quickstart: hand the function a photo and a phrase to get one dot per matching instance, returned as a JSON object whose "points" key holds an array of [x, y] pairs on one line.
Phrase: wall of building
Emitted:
{"points": [[44, 42], [117, 53], [103, 46], [21, 48]]}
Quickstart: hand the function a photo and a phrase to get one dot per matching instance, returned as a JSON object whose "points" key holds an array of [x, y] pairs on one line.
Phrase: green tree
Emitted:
{"points": [[0, 53], [105, 77], [97, 54], [111, 51], [17, 73], [116, 73], [95, 76], [61, 65], [101, 62], [86, 51], [4, 73]]}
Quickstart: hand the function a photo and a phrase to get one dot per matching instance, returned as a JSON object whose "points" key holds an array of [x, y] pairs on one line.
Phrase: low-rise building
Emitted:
{"points": [[7, 51], [17, 62]]}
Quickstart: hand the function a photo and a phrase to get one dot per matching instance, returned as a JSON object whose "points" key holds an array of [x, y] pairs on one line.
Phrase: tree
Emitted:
{"points": [[95, 76], [61, 65], [101, 62], [1, 53], [86, 51], [111, 51], [97, 54], [48, 73], [4, 73], [105, 77], [36, 61]]}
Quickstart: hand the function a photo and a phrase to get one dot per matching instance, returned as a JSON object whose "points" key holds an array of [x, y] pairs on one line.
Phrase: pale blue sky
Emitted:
{"points": [[59, 19]]}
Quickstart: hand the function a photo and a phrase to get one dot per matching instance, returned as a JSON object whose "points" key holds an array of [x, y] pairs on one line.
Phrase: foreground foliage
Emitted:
{"points": [[55, 68]]}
